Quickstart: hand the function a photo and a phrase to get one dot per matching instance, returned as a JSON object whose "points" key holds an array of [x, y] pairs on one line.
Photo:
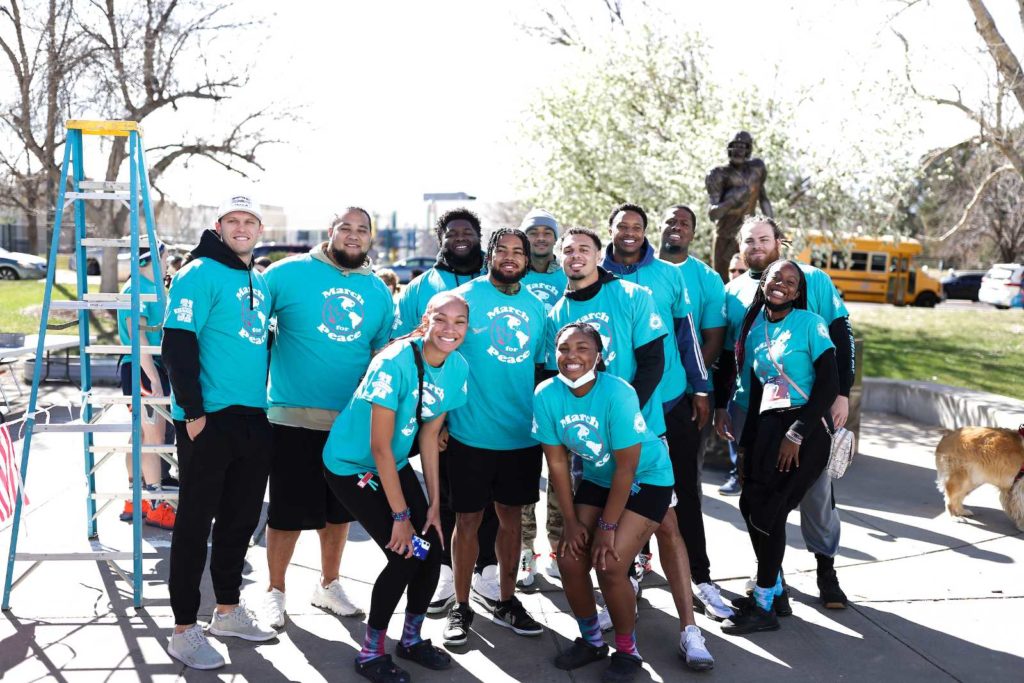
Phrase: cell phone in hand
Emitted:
{"points": [[420, 548]]}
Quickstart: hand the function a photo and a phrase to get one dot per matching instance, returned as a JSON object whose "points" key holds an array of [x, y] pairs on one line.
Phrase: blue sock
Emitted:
{"points": [[590, 629], [764, 597], [411, 630], [778, 584], [373, 644]]}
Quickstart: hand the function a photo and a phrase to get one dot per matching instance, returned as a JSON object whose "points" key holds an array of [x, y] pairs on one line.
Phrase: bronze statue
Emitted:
{"points": [[735, 192]]}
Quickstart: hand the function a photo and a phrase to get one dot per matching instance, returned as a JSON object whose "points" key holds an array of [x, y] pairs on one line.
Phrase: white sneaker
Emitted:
{"points": [[273, 608], [444, 594], [714, 607], [694, 651], [240, 623], [552, 568], [193, 649], [333, 599], [527, 570], [486, 590]]}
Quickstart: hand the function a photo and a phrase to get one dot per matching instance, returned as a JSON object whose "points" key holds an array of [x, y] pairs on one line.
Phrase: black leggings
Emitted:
{"points": [[769, 551], [684, 449], [370, 508]]}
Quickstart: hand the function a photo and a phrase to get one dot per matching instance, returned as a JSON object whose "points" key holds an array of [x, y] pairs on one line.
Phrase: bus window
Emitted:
{"points": [[838, 261], [878, 263], [858, 261]]}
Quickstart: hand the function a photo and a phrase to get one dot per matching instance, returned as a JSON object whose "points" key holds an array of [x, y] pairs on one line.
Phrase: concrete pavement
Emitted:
{"points": [[931, 600]]}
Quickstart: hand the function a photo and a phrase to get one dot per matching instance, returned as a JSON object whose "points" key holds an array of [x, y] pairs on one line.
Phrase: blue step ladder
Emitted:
{"points": [[76, 191]]}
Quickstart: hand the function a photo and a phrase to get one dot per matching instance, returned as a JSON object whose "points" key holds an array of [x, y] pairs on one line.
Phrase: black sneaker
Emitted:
{"points": [[580, 653], [751, 621], [382, 670], [460, 618], [831, 595], [425, 654], [511, 614], [780, 605], [622, 669]]}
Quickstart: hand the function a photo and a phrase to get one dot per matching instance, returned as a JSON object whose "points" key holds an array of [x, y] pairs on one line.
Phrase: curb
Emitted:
{"points": [[942, 405]]}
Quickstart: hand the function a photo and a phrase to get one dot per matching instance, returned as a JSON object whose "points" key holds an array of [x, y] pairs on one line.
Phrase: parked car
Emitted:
{"points": [[1001, 286], [93, 258], [15, 265], [408, 268], [278, 249], [962, 284]]}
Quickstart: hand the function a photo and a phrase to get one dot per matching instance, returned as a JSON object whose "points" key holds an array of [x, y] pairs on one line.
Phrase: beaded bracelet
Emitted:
{"points": [[401, 516], [606, 526]]}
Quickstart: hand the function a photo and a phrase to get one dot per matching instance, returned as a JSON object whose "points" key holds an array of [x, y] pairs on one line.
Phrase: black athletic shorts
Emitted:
{"points": [[477, 476], [144, 383], [299, 496], [650, 501]]}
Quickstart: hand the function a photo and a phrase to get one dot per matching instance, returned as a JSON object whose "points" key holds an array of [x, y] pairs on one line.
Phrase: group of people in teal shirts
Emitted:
{"points": [[483, 353]]}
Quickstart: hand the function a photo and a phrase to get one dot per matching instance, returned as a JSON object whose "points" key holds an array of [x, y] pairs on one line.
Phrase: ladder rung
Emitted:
{"points": [[144, 495], [112, 241], [127, 448], [120, 348], [71, 196], [104, 185], [107, 399], [104, 127], [95, 556], [83, 427], [117, 296]]}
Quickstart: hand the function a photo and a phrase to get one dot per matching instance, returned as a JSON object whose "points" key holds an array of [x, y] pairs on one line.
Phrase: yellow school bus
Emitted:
{"points": [[877, 269]]}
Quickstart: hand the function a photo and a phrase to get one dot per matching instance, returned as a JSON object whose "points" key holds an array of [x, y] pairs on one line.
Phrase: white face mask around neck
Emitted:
{"points": [[582, 379]]}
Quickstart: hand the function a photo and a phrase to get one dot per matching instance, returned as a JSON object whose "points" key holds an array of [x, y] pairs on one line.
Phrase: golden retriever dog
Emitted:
{"points": [[968, 457]]}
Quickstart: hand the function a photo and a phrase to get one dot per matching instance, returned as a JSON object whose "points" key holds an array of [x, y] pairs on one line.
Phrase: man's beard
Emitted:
{"points": [[508, 279], [471, 258], [348, 262], [672, 248], [576, 276]]}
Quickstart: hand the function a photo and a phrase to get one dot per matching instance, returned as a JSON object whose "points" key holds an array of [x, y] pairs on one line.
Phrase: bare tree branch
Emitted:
{"points": [[978, 194]]}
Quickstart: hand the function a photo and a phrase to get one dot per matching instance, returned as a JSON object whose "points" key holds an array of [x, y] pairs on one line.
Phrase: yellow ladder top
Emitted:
{"points": [[116, 128]]}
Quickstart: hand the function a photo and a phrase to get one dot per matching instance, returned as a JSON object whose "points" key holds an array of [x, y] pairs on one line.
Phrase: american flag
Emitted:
{"points": [[10, 477]]}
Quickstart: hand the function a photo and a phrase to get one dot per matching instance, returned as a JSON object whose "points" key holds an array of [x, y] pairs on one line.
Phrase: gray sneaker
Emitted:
{"points": [[240, 623], [193, 649]]}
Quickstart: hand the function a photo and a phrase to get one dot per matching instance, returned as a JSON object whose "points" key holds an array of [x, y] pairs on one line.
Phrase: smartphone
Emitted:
{"points": [[420, 548]]}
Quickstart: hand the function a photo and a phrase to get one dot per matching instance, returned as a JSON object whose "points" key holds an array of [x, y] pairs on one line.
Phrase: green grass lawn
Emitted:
{"points": [[21, 301], [969, 347]]}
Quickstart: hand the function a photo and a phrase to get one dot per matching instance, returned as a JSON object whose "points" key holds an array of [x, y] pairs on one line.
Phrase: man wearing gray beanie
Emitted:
{"points": [[546, 280]]}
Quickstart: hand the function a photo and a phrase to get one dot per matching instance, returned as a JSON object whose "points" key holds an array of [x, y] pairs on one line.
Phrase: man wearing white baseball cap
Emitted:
{"points": [[215, 350]]}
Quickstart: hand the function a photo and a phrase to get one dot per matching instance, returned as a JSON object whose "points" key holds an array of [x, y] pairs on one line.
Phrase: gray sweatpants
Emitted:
{"points": [[819, 519]]}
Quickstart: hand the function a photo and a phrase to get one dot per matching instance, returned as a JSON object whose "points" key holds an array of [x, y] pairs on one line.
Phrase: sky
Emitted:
{"points": [[396, 98]]}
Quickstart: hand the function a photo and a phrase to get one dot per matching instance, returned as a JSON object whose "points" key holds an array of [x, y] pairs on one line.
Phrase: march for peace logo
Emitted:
{"points": [[545, 293], [432, 397], [581, 434], [341, 315], [254, 320], [509, 334]]}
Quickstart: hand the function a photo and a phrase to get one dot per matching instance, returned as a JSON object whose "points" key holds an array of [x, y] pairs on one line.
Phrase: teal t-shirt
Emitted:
{"points": [[548, 287], [665, 282], [412, 302], [151, 311], [593, 426], [795, 342], [625, 316], [214, 302], [707, 294], [392, 381], [822, 298], [328, 325], [503, 345]]}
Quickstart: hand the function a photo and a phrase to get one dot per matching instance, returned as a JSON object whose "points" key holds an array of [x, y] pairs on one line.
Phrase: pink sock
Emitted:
{"points": [[626, 643]]}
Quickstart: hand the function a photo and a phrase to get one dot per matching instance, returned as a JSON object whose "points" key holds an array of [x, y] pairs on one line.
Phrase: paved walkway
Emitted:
{"points": [[932, 600]]}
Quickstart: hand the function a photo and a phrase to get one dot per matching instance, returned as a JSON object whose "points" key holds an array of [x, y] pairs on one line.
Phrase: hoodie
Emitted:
{"points": [[215, 333], [684, 363]]}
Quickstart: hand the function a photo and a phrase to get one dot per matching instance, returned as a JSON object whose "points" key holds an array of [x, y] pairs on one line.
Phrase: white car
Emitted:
{"points": [[1001, 286], [17, 266]]}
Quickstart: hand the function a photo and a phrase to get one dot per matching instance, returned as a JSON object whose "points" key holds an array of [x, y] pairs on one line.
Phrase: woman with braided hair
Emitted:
{"points": [[790, 360]]}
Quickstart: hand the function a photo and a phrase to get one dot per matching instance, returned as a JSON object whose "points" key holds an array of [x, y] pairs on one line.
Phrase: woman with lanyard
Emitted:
{"points": [[791, 371], [410, 386], [624, 494]]}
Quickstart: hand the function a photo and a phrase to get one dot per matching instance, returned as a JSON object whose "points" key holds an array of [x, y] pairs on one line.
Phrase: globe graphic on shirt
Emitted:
{"points": [[510, 333], [342, 313], [585, 441]]}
